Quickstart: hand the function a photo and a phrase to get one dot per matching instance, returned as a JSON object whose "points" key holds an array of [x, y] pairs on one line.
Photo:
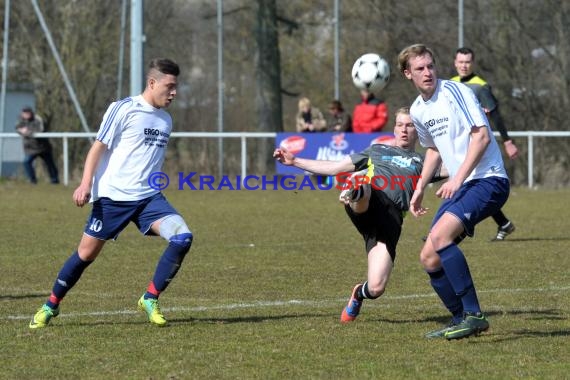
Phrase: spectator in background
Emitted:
{"points": [[339, 120], [464, 61], [309, 119], [371, 115], [34, 147]]}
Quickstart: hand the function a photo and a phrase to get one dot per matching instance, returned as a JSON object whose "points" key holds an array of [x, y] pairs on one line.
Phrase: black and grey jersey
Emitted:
{"points": [[393, 170]]}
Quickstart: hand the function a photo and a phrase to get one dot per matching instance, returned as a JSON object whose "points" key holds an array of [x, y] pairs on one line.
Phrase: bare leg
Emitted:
{"points": [[379, 269]]}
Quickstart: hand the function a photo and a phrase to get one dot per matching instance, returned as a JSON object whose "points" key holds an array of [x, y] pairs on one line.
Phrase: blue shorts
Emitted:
{"points": [[476, 200], [108, 217]]}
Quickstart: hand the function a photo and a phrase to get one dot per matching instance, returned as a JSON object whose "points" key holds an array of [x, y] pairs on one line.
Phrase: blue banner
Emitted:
{"points": [[326, 146]]}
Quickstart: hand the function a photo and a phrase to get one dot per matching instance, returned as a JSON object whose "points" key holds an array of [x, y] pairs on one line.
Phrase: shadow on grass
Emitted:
{"points": [[8, 297], [539, 238], [541, 334], [246, 319], [493, 337], [544, 314], [180, 321]]}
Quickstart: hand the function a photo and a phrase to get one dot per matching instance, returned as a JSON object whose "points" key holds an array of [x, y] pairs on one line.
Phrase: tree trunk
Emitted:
{"points": [[268, 105]]}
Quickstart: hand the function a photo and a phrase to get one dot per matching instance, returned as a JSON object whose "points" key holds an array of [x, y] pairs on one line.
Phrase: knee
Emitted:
{"points": [[440, 239], [361, 206], [88, 252], [429, 259], [183, 240], [175, 231]]}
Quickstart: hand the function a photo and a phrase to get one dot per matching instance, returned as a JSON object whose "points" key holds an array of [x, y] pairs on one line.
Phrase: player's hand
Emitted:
{"points": [[511, 149], [448, 189], [284, 156], [416, 204], [25, 131], [81, 195]]}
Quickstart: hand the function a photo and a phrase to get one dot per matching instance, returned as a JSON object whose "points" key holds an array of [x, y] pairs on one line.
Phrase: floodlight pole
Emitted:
{"points": [[460, 23], [4, 77], [57, 58], [220, 24], [121, 49], [137, 39], [336, 21]]}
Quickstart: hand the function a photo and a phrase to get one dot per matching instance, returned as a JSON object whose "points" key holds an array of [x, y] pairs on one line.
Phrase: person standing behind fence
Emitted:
{"points": [[464, 60], [309, 119], [370, 115], [35, 147], [339, 120]]}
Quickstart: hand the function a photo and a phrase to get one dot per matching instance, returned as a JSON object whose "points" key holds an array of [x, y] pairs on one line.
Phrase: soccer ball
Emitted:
{"points": [[370, 72]]}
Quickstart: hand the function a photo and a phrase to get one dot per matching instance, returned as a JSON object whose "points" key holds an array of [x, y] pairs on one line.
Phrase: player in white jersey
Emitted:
{"points": [[130, 146], [453, 127]]}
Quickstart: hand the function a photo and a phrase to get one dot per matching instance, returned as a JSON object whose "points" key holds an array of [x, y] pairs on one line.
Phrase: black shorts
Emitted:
{"points": [[382, 222]]}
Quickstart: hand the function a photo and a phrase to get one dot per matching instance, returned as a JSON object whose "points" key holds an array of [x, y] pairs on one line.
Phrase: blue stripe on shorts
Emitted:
{"points": [[476, 200]]}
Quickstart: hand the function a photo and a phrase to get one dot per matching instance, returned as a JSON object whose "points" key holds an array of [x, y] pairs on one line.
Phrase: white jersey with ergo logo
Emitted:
{"points": [[445, 122], [136, 135]]}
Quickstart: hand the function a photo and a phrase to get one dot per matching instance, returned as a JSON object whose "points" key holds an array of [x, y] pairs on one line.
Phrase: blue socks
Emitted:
{"points": [[169, 264], [67, 277], [457, 272], [445, 291]]}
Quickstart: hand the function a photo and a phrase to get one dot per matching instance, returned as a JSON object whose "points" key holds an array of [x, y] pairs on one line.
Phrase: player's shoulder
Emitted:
{"points": [[452, 88], [416, 105], [120, 107], [476, 79]]}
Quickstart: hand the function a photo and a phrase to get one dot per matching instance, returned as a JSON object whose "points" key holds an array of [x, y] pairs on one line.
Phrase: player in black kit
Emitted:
{"points": [[375, 200]]}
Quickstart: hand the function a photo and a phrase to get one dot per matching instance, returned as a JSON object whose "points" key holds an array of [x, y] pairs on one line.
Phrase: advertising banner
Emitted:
{"points": [[327, 146]]}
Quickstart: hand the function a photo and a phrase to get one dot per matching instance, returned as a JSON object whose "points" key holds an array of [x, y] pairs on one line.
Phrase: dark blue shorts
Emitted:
{"points": [[108, 217], [476, 200]]}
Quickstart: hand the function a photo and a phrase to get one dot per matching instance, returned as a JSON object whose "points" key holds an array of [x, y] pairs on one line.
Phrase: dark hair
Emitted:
{"points": [[337, 105], [465, 51], [164, 65]]}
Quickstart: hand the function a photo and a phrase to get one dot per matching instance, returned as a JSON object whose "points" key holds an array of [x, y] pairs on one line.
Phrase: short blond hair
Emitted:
{"points": [[416, 50], [304, 102], [402, 110]]}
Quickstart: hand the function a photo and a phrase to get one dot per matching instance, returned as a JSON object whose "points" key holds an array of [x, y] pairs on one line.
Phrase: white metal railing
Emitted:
{"points": [[243, 136]]}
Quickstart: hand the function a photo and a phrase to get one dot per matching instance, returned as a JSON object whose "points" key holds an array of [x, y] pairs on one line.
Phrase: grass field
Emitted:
{"points": [[260, 294]]}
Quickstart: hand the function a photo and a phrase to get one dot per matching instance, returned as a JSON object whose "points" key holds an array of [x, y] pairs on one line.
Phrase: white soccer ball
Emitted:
{"points": [[371, 72]]}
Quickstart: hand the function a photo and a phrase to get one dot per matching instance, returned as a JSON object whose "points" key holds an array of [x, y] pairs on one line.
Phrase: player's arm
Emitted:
{"points": [[432, 163], [82, 194], [322, 167], [440, 174], [491, 107], [478, 143], [497, 120]]}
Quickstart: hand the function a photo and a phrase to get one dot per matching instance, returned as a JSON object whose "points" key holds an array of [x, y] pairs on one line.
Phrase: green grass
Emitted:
{"points": [[260, 294]]}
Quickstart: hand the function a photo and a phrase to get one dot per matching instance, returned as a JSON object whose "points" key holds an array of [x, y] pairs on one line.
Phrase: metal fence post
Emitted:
{"points": [[243, 157], [65, 161], [530, 161]]}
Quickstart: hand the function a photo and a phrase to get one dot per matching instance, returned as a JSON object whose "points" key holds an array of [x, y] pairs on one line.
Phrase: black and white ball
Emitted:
{"points": [[371, 72]]}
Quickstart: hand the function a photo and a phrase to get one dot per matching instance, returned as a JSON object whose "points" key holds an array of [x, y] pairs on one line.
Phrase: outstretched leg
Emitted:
{"points": [[174, 230], [380, 225], [88, 250], [451, 279]]}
